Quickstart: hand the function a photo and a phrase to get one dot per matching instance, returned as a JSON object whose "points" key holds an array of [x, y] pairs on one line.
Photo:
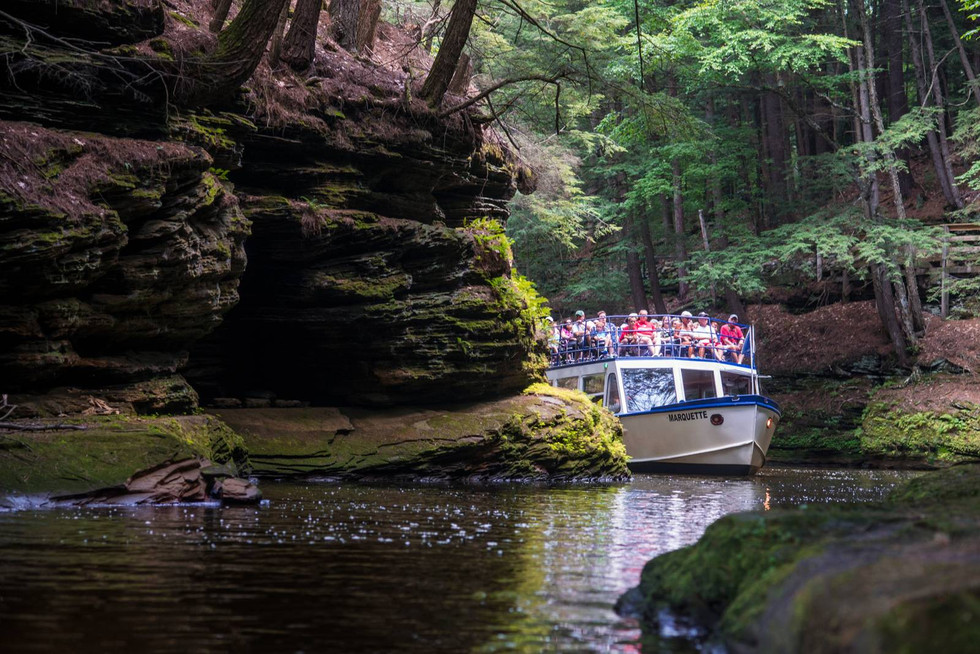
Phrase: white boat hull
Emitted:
{"points": [[685, 438]]}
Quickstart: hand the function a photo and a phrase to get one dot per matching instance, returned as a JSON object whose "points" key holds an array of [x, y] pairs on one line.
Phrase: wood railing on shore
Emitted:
{"points": [[960, 258]]}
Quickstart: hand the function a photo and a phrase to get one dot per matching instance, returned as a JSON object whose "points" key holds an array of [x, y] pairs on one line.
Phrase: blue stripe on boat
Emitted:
{"points": [[715, 402]]}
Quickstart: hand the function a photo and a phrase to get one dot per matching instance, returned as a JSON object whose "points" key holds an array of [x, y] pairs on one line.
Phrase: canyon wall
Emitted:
{"points": [[321, 238]]}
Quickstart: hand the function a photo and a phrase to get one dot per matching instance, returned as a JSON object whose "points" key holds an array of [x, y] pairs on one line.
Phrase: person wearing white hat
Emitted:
{"points": [[685, 335]]}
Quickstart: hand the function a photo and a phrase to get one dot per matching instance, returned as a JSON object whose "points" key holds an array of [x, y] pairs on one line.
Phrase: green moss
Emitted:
{"points": [[728, 574], [368, 289], [946, 624], [212, 189], [109, 450], [181, 18], [204, 129], [162, 47], [941, 438]]}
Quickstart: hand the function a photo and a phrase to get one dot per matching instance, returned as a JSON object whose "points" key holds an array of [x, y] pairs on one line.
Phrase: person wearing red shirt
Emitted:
{"points": [[732, 339]]}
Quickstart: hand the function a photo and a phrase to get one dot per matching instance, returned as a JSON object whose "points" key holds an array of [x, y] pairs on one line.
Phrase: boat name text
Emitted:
{"points": [[690, 415]]}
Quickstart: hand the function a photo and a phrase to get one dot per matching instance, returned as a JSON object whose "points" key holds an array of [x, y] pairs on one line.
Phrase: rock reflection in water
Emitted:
{"points": [[366, 569]]}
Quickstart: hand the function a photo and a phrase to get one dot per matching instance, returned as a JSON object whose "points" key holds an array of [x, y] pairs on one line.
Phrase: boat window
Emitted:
{"points": [[592, 384], [646, 389], [570, 383], [735, 384], [698, 384], [612, 395]]}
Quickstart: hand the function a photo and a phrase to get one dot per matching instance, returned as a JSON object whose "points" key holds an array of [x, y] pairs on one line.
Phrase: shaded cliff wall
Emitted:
{"points": [[376, 269]]}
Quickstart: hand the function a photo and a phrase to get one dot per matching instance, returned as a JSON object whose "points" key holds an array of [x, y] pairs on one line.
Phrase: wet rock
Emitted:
{"points": [[236, 491], [172, 482], [900, 577], [545, 435]]}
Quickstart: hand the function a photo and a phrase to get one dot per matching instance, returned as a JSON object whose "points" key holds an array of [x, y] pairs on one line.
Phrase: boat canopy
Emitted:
{"points": [[581, 339]]}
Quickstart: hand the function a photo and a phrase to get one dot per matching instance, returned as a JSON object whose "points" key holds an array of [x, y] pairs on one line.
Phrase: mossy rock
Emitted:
{"points": [[898, 576], [933, 437], [106, 450], [543, 435]]}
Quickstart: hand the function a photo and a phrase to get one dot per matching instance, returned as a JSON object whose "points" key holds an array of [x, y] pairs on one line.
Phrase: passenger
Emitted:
{"points": [[567, 341], [705, 336], [732, 340], [685, 335], [554, 339], [580, 334], [646, 334], [628, 337], [602, 336]]}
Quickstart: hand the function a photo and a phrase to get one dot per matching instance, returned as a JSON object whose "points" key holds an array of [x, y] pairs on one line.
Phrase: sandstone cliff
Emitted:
{"points": [[376, 270]]}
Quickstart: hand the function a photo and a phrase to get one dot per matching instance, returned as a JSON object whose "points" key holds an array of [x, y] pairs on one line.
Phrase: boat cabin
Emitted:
{"points": [[640, 384]]}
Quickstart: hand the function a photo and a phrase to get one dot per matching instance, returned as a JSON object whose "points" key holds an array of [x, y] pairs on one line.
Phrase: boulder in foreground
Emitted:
{"points": [[903, 576]]}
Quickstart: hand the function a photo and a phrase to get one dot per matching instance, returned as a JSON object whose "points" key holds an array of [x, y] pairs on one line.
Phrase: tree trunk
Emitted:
{"points": [[429, 30], [240, 48], [948, 186], [885, 301], [299, 46], [680, 245], [937, 95], [367, 25], [964, 59], [344, 15], [775, 138], [457, 32], [875, 106], [221, 9], [653, 276], [636, 279], [896, 100], [734, 302], [461, 78], [275, 47]]}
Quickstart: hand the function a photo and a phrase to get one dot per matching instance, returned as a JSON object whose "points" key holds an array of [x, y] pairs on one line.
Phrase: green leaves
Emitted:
{"points": [[845, 241]]}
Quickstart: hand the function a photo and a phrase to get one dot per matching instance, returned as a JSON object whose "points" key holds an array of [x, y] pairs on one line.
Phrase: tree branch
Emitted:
{"points": [[496, 87]]}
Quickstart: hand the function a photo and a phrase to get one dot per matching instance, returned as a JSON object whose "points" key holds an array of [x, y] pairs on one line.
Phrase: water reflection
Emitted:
{"points": [[365, 569]]}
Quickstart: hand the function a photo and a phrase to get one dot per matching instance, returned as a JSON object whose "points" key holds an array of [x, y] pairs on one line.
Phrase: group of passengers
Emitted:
{"points": [[646, 335]]}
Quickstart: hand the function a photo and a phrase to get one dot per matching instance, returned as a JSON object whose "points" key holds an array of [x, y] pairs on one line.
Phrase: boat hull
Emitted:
{"points": [[728, 436]]}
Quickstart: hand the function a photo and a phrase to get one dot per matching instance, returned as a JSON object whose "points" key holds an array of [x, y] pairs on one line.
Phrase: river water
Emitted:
{"points": [[322, 567]]}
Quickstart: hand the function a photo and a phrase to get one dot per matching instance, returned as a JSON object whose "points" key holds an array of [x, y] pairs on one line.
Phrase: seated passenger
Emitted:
{"points": [[602, 336], [628, 337], [648, 336], [554, 339], [567, 341], [685, 335], [732, 340], [580, 334], [705, 336]]}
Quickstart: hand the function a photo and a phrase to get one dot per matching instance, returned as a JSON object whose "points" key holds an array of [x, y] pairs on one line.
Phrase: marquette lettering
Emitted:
{"points": [[690, 415]]}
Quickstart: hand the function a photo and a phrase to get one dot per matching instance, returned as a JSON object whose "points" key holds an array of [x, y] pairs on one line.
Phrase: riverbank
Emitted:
{"points": [[902, 575], [846, 403]]}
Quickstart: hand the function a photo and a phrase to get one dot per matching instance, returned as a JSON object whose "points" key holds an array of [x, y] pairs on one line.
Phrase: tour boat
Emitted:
{"points": [[680, 414]]}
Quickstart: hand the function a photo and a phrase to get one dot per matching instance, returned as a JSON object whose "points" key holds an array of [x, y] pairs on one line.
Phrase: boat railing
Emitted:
{"points": [[583, 339]]}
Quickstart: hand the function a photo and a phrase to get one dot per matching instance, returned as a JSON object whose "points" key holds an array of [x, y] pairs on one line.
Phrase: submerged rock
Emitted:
{"points": [[171, 482], [903, 576]]}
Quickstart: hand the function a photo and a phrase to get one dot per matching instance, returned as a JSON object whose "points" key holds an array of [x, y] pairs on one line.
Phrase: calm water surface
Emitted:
{"points": [[328, 568]]}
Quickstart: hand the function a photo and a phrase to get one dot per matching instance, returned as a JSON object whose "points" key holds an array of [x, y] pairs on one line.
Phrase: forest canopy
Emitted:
{"points": [[703, 151]]}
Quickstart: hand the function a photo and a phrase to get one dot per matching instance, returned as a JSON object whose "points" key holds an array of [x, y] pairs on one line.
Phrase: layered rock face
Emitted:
{"points": [[377, 270], [115, 256], [375, 276]]}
